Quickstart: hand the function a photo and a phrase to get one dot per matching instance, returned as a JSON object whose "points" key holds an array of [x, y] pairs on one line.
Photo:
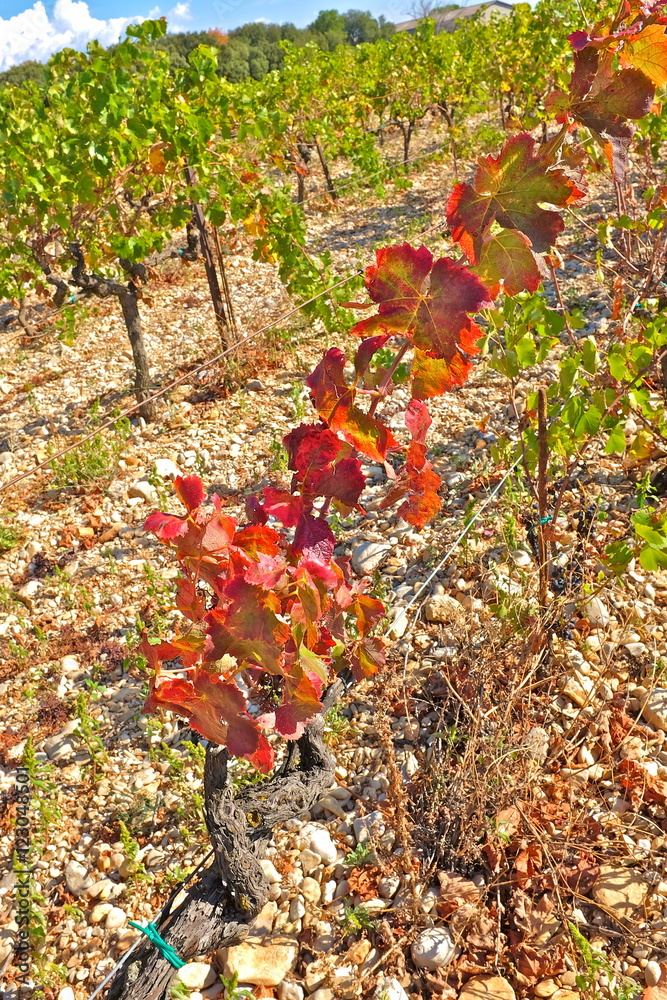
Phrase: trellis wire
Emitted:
{"points": [[157, 916]]}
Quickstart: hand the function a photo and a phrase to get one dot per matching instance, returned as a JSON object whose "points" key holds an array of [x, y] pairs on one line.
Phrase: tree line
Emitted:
{"points": [[252, 50]]}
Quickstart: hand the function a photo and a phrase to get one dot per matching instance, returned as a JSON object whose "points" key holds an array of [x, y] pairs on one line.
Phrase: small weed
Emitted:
{"points": [[75, 912], [363, 854], [356, 918], [94, 459], [232, 989], [176, 875], [594, 962], [45, 791], [279, 461], [87, 731], [10, 536], [179, 991], [336, 725], [131, 848]]}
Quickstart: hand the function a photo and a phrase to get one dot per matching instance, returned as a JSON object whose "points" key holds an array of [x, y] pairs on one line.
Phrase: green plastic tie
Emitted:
{"points": [[543, 520], [166, 950]]}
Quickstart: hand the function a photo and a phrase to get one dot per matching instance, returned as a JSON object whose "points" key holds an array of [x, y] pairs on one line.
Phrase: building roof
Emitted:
{"points": [[446, 21]]}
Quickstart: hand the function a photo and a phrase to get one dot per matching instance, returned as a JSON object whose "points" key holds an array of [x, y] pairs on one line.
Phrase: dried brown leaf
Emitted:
{"points": [[455, 892]]}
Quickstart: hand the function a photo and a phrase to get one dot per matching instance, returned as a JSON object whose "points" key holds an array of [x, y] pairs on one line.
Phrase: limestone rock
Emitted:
{"points": [[66, 993], [272, 874], [389, 988], [167, 469], [487, 988], [318, 840], [115, 918], [620, 890], [290, 991], [197, 975], [77, 878], [443, 608], [259, 963], [597, 612], [652, 973], [654, 708], [369, 556], [143, 490], [433, 948]]}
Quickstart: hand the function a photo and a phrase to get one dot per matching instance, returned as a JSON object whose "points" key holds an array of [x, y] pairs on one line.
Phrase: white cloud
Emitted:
{"points": [[180, 12], [34, 35]]}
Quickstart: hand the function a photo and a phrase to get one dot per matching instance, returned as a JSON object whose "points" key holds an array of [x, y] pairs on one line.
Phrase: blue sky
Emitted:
{"points": [[34, 30]]}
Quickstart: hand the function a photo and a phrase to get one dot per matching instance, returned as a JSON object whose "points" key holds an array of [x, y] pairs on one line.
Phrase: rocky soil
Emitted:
{"points": [[500, 792]]}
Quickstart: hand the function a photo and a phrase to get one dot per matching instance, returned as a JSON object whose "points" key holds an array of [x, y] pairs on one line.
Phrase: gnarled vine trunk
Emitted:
{"points": [[220, 905]]}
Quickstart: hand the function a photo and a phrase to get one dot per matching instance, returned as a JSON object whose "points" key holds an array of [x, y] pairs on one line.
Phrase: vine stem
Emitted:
{"points": [[559, 296], [382, 388]]}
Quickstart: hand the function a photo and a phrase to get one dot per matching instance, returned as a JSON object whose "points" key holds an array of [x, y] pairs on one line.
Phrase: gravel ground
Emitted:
{"points": [[492, 787]]}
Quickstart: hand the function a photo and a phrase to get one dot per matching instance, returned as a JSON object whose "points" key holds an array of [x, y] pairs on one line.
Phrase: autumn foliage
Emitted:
{"points": [[272, 613]]}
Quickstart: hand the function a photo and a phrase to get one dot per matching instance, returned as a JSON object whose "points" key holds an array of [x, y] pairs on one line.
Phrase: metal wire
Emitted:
{"points": [[157, 916]]}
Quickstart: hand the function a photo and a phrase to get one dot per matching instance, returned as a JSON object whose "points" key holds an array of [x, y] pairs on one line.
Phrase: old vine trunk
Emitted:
{"points": [[220, 905]]}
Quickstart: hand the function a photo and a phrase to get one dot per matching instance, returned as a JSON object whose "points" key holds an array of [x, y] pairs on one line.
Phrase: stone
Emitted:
{"points": [[654, 708], [101, 889], [59, 747], [259, 963], [388, 886], [310, 890], [143, 490], [115, 919], [77, 878], [521, 558], [309, 860], [273, 876], [66, 993], [443, 608], [487, 988], [652, 973], [324, 993], [433, 948], [197, 975], [536, 744], [254, 385], [620, 890], [290, 991], [369, 827], [389, 988], [369, 556], [6, 946], [297, 909], [99, 912], [318, 839], [597, 612], [579, 689], [546, 988], [167, 469]]}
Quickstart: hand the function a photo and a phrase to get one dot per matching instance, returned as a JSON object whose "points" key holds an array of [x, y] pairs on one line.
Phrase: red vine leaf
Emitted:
{"points": [[190, 491], [604, 101], [369, 612], [433, 376], [507, 256], [334, 401], [509, 189], [430, 303], [416, 479], [215, 708]]}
